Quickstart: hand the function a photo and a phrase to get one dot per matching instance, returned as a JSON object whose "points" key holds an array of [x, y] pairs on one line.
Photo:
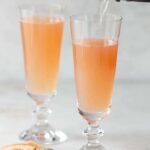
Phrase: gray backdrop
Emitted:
{"points": [[133, 60]]}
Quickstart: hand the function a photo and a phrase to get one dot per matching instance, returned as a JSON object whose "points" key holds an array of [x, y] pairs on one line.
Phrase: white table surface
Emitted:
{"points": [[127, 128]]}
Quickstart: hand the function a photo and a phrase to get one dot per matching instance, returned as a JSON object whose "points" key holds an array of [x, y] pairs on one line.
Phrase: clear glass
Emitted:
{"points": [[42, 32], [95, 46]]}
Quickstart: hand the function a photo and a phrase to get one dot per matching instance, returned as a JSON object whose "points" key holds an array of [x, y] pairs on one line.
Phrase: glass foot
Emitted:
{"points": [[86, 147], [43, 137]]}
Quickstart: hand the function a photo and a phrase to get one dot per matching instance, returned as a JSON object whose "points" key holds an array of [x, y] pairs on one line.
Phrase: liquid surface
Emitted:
{"points": [[95, 63], [42, 37]]}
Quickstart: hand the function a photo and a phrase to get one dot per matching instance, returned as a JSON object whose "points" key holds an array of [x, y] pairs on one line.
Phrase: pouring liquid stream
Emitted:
{"points": [[103, 7]]}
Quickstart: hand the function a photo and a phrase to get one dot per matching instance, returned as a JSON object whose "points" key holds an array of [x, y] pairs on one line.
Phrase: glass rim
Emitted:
{"points": [[110, 17], [40, 6]]}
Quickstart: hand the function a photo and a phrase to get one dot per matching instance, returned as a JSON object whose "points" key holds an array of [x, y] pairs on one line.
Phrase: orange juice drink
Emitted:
{"points": [[42, 37], [95, 63]]}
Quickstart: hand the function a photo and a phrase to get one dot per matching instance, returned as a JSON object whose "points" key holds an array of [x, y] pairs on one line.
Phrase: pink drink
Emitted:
{"points": [[42, 37], [95, 63]]}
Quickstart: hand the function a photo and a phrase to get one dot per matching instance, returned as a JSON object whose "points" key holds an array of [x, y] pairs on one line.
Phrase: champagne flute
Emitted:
{"points": [[42, 30], [95, 46]]}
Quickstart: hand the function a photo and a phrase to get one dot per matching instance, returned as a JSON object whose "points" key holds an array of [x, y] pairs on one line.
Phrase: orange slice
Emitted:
{"points": [[29, 145]]}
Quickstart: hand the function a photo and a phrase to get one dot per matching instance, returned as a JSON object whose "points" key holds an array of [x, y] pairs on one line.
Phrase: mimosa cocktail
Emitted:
{"points": [[95, 47], [95, 63], [42, 37], [42, 31]]}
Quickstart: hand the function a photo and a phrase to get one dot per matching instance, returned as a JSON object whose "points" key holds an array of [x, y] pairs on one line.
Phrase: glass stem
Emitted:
{"points": [[42, 120], [94, 132], [42, 114]]}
